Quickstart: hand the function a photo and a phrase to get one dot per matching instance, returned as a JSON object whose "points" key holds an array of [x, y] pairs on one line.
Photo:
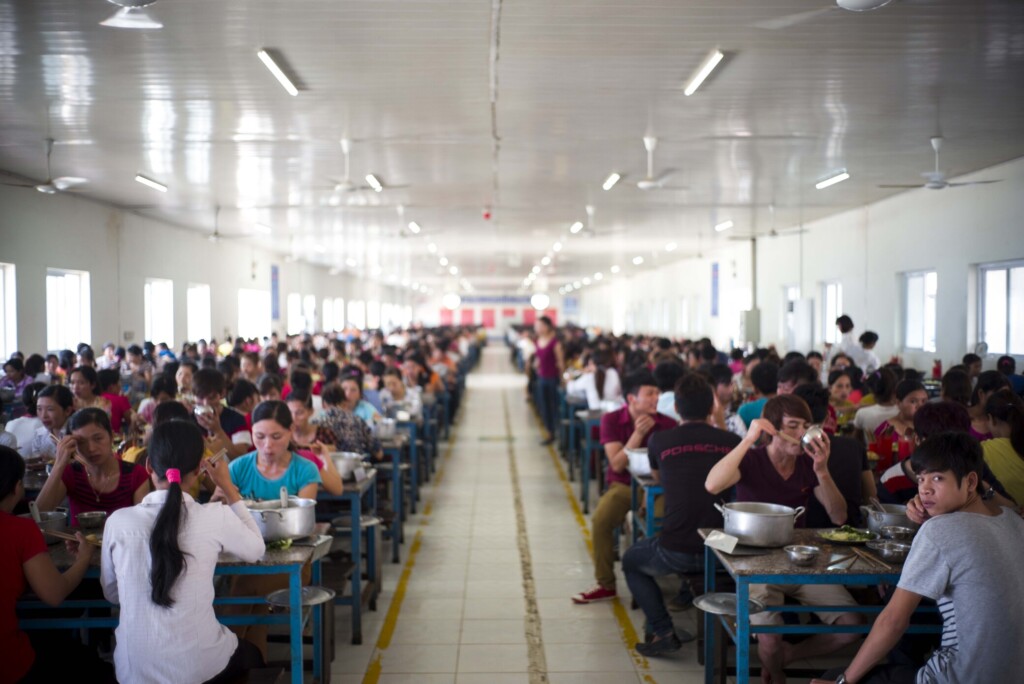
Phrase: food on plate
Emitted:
{"points": [[846, 533]]}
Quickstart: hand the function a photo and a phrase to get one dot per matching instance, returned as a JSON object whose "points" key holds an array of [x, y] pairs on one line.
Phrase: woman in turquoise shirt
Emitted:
{"points": [[352, 385], [261, 474]]}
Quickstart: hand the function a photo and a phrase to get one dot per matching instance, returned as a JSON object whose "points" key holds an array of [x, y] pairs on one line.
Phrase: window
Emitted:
{"points": [[920, 310], [1002, 292], [8, 319], [158, 308], [197, 325], [831, 309], [309, 313], [295, 319], [328, 312], [357, 314], [68, 315], [339, 314], [372, 315], [253, 313]]}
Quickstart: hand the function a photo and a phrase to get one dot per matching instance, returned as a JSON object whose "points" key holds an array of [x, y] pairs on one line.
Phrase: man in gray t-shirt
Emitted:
{"points": [[967, 557]]}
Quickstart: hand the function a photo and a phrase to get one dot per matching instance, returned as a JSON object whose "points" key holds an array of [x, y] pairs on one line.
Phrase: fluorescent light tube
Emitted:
{"points": [[614, 269], [598, 276], [705, 69], [610, 181], [150, 183], [546, 261], [838, 178], [576, 227], [432, 248], [724, 225], [637, 260], [414, 227], [281, 77], [131, 18], [557, 247], [454, 270], [443, 261], [373, 182]]}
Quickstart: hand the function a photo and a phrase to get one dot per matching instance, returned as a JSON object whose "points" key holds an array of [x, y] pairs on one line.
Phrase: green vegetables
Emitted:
{"points": [[279, 545]]}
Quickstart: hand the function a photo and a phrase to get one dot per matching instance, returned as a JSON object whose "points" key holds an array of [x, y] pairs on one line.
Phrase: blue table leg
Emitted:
{"points": [[295, 620], [633, 487], [357, 573], [573, 446], [649, 515], [585, 472], [742, 631], [318, 632], [709, 619]]}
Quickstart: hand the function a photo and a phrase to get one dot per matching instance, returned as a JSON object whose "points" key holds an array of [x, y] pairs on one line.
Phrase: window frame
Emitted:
{"points": [[829, 333], [8, 310], [906, 277], [983, 270], [149, 326], [195, 335], [83, 307], [247, 307]]}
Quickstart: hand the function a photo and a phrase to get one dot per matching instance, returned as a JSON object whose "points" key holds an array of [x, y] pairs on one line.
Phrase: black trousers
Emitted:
{"points": [[245, 658], [881, 674]]}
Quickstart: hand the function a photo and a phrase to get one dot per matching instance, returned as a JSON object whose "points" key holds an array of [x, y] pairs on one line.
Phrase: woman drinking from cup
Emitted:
{"points": [[313, 442], [88, 473], [158, 564]]}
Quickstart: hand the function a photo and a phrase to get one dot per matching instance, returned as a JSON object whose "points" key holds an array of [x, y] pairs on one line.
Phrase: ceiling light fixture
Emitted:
{"points": [[540, 301], [414, 227], [610, 181], [670, 247], [703, 71], [131, 16], [262, 228], [443, 261], [838, 177], [451, 301], [577, 284], [454, 270], [614, 269], [637, 260], [586, 281], [546, 261], [599, 276], [535, 270], [557, 247], [281, 77], [320, 249], [432, 248], [374, 183], [150, 183], [576, 227], [724, 225]]}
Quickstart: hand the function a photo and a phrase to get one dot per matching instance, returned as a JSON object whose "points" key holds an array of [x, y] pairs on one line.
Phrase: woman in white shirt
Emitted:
{"points": [[158, 564], [599, 382], [25, 427]]}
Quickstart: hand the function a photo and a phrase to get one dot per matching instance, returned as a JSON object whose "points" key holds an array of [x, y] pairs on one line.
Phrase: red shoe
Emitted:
{"points": [[598, 593]]}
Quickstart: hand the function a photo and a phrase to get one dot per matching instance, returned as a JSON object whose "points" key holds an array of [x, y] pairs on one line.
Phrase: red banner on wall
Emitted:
{"points": [[446, 316], [553, 315], [467, 316], [487, 318], [508, 313], [529, 316]]}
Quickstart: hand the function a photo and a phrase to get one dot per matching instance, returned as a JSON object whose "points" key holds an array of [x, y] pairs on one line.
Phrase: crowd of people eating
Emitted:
{"points": [[169, 447]]}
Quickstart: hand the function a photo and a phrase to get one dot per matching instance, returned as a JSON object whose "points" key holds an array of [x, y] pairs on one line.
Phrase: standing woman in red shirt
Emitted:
{"points": [[25, 561], [87, 471], [550, 366]]}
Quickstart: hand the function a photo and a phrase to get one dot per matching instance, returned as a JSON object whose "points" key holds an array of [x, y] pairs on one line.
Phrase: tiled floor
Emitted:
{"points": [[463, 618]]}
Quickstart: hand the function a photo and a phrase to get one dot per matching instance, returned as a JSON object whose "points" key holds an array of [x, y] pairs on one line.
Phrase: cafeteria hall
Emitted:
{"points": [[511, 341]]}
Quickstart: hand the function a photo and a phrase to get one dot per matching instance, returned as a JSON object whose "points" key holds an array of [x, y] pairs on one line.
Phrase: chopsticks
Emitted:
{"points": [[71, 537], [871, 559], [789, 438]]}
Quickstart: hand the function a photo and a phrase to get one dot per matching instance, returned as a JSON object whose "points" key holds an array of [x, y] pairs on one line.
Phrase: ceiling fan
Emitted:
{"points": [[216, 235], [346, 185], [789, 20], [936, 180], [588, 230], [51, 185], [772, 232], [652, 182]]}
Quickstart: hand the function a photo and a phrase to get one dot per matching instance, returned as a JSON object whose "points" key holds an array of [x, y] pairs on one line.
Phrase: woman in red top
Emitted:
{"points": [[26, 561], [550, 366], [88, 473]]}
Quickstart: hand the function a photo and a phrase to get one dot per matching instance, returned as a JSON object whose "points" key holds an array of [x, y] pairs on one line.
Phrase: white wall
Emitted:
{"points": [[120, 250], [867, 250]]}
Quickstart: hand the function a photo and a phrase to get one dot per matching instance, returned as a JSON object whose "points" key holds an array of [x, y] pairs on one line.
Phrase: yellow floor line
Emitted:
{"points": [[387, 630], [626, 629]]}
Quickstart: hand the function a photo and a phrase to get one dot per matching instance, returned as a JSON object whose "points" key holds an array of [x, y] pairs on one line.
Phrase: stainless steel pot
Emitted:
{"points": [[346, 463], [760, 524], [277, 523], [385, 428], [53, 521], [895, 516]]}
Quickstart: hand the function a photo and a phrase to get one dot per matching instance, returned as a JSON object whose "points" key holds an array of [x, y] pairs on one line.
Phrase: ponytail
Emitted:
{"points": [[601, 361], [175, 448], [1005, 406]]}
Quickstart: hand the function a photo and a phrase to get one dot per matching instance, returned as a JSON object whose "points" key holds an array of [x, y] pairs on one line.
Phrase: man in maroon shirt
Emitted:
{"points": [[627, 428]]}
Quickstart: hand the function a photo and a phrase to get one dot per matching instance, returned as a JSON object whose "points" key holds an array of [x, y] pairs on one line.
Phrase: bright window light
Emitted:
{"points": [[198, 321], [357, 314], [339, 314], [8, 313], [253, 313], [372, 315], [921, 290], [295, 320], [68, 316]]}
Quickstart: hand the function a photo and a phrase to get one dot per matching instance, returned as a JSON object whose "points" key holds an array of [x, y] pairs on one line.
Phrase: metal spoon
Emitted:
{"points": [[284, 497], [34, 510]]}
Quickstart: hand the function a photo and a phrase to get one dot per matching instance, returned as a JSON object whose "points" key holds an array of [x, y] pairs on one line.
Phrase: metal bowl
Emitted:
{"points": [[890, 550], [813, 433], [51, 521], [897, 533], [802, 555], [91, 520]]}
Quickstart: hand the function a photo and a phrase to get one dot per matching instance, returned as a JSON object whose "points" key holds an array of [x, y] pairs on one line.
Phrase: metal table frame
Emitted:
{"points": [[652, 490], [590, 420], [792, 575], [394, 448]]}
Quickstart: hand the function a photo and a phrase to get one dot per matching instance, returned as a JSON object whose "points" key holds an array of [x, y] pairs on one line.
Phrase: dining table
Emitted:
{"points": [[288, 562], [751, 565], [396, 450], [591, 421]]}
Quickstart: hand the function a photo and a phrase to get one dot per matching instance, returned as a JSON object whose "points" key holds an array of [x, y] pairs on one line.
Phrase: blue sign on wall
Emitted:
{"points": [[275, 293], [714, 289]]}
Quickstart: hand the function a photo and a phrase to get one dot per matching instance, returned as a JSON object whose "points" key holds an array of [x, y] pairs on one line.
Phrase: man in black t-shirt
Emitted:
{"points": [[681, 459]]}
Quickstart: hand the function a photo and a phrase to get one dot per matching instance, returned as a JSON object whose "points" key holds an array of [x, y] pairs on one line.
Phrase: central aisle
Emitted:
{"points": [[482, 595]]}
